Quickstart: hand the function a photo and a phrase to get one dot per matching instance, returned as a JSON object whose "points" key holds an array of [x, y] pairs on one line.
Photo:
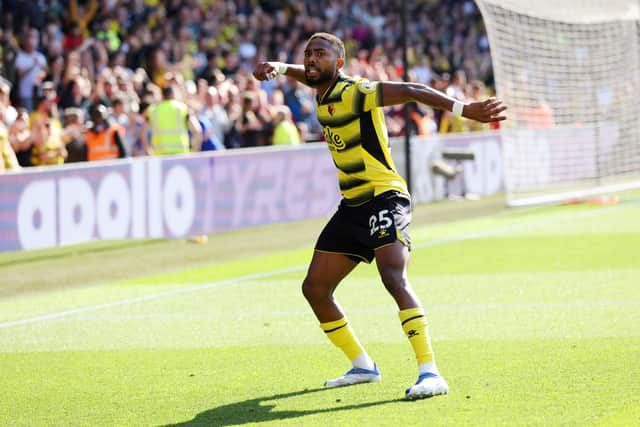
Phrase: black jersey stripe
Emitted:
{"points": [[350, 183], [335, 93], [337, 121], [358, 102], [370, 141], [360, 198], [349, 144], [354, 141], [354, 167], [328, 92]]}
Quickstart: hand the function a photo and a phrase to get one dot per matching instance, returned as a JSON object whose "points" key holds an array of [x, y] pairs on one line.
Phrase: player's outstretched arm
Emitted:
{"points": [[270, 70], [489, 110]]}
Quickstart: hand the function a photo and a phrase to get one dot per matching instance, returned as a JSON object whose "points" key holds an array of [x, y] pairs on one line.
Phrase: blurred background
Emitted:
{"points": [[64, 60]]}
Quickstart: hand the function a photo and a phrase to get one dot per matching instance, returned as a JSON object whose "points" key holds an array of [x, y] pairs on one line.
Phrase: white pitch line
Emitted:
{"points": [[533, 306], [374, 310], [515, 227], [234, 280], [149, 297]]}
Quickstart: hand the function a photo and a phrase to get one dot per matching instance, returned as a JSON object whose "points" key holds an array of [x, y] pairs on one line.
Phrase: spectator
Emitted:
{"points": [[298, 99], [73, 135], [20, 137], [211, 139], [102, 138], [169, 122], [477, 92], [106, 89], [264, 113], [540, 115], [158, 66], [210, 72], [440, 83], [74, 93], [132, 128], [9, 48], [8, 160], [248, 125], [422, 120], [48, 90], [110, 53], [30, 67], [210, 142], [247, 49], [9, 113], [285, 131], [213, 112], [450, 123], [422, 71], [73, 37], [121, 116], [457, 88], [81, 14], [54, 77], [46, 134]]}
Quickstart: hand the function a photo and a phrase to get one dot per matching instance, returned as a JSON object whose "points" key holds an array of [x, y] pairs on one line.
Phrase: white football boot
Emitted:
{"points": [[356, 376], [428, 385]]}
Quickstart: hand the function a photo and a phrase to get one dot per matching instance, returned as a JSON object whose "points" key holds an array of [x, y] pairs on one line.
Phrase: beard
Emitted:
{"points": [[320, 78]]}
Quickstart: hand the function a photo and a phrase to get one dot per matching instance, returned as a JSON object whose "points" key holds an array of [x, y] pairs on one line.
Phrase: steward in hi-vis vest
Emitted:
{"points": [[172, 129], [103, 139]]}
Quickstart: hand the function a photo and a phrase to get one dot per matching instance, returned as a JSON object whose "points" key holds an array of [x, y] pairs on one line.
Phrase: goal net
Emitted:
{"points": [[569, 70]]}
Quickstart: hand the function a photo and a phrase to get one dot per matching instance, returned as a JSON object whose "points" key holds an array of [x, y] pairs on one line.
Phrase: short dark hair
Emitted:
{"points": [[98, 111], [167, 91], [333, 40]]}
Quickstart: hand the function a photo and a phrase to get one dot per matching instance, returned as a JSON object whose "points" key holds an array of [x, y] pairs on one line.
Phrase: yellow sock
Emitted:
{"points": [[414, 325], [342, 336]]}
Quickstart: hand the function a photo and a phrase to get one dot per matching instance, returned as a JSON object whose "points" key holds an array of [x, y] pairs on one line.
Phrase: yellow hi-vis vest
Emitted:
{"points": [[168, 122]]}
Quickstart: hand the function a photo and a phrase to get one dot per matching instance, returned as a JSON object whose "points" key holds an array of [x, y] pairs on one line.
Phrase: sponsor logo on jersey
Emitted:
{"points": [[333, 139]]}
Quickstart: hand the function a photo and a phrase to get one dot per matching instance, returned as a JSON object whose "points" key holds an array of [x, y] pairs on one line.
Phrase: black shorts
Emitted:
{"points": [[357, 231]]}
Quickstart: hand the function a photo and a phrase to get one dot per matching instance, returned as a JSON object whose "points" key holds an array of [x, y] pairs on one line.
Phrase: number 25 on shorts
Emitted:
{"points": [[381, 221]]}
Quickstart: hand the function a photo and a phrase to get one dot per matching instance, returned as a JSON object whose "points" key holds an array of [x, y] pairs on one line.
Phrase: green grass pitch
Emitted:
{"points": [[534, 313]]}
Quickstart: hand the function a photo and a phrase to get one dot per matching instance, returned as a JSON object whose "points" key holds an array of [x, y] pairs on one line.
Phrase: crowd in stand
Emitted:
{"points": [[76, 73]]}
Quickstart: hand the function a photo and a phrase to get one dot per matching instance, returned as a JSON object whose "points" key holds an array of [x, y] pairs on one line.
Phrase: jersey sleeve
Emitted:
{"points": [[370, 92]]}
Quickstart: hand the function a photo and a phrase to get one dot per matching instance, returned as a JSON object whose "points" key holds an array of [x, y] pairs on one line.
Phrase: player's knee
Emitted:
{"points": [[394, 282], [314, 291], [309, 291]]}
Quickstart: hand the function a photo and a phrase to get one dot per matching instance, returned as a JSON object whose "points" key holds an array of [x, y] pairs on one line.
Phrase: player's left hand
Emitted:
{"points": [[486, 111]]}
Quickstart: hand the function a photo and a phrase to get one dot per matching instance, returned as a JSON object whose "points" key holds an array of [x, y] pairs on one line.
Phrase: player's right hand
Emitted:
{"points": [[265, 71]]}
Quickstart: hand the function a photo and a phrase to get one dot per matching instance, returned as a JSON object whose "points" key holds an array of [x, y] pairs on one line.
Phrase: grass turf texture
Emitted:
{"points": [[534, 317]]}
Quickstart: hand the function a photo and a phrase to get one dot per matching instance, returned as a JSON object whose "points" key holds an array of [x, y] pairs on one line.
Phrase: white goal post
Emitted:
{"points": [[569, 70]]}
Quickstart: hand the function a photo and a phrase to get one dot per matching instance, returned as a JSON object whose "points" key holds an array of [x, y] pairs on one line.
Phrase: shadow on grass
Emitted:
{"points": [[254, 411]]}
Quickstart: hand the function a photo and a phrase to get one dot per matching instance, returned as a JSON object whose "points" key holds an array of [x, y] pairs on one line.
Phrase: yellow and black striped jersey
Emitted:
{"points": [[352, 120]]}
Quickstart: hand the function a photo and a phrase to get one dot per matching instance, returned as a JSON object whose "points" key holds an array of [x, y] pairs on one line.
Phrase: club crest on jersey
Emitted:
{"points": [[331, 109]]}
